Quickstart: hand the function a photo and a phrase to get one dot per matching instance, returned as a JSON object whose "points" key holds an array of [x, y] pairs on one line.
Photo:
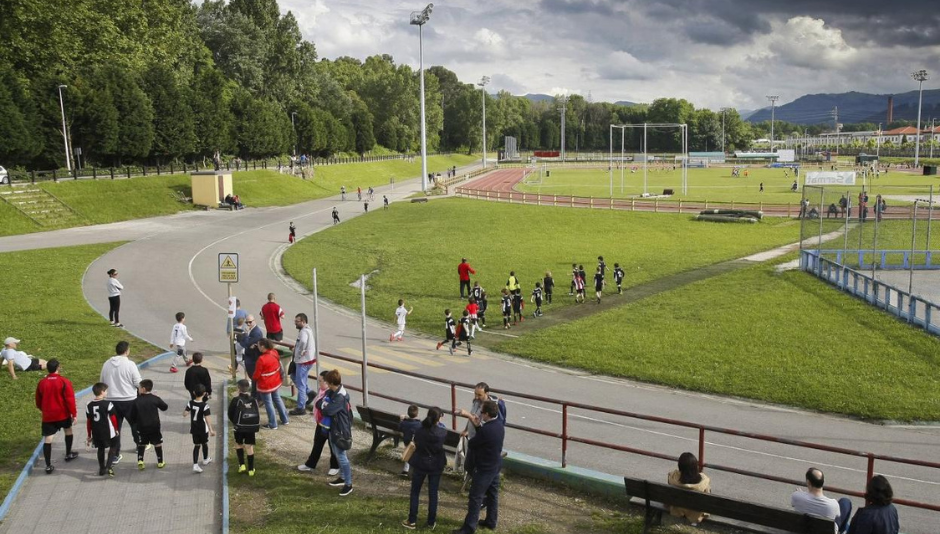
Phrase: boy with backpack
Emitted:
{"points": [[246, 420]]}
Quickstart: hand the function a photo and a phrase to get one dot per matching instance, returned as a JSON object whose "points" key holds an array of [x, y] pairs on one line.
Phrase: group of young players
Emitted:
{"points": [[462, 330]]}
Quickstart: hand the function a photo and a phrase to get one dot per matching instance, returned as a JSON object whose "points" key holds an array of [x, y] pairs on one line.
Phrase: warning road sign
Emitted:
{"points": [[228, 267]]}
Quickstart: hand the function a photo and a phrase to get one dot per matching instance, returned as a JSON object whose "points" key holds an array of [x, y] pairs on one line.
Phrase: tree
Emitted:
{"points": [[20, 141], [262, 127], [213, 120], [173, 125]]}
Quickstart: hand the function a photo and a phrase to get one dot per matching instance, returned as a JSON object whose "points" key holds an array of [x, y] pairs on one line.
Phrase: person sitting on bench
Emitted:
{"points": [[832, 210], [689, 477]]}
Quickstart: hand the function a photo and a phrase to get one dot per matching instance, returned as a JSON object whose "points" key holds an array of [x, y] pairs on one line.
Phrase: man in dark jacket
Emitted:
{"points": [[483, 463], [249, 341]]}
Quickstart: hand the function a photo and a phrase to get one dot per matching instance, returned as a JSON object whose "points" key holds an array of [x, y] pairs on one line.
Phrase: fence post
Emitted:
{"points": [[523, 197], [143, 169], [564, 435], [453, 405], [632, 204], [680, 206], [32, 177], [656, 205], [128, 170], [572, 200], [701, 448], [54, 177], [94, 173], [706, 203], [592, 202], [871, 468], [554, 200]]}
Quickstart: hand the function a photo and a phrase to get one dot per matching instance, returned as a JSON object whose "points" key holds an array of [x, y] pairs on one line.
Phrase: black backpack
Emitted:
{"points": [[247, 418]]}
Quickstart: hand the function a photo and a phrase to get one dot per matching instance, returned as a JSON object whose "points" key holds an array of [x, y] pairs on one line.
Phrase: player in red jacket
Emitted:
{"points": [[464, 270], [56, 399]]}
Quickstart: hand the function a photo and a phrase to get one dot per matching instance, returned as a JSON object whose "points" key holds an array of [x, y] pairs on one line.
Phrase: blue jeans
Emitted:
{"points": [[271, 400], [483, 489], [845, 510], [344, 468], [301, 372], [417, 480]]}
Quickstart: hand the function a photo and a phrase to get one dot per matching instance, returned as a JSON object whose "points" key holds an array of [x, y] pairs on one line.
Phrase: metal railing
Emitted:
{"points": [[903, 304], [566, 436]]}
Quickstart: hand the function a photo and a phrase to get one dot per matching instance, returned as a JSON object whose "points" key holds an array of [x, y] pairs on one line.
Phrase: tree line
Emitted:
{"points": [[167, 81]]}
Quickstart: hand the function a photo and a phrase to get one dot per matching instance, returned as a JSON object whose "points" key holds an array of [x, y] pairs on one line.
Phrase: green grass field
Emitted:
{"points": [[416, 248], [713, 184], [106, 201], [53, 321]]}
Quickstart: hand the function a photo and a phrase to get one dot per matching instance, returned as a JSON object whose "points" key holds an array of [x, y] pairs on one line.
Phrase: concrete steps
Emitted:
{"points": [[41, 207]]}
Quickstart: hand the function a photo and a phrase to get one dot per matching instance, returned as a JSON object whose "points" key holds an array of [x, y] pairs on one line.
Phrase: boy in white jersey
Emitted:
{"points": [[178, 338], [400, 314]]}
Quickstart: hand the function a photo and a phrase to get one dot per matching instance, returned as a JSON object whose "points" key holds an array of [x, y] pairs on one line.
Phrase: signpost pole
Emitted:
{"points": [[365, 360], [228, 275], [316, 324], [231, 334]]}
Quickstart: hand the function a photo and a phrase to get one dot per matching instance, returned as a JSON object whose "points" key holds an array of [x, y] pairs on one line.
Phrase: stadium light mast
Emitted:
{"points": [[419, 19], [482, 83], [293, 115], [723, 111], [920, 76], [564, 111], [65, 134], [773, 103]]}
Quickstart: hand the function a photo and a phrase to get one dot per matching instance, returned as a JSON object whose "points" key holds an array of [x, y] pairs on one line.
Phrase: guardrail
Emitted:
{"points": [[911, 308], [566, 437]]}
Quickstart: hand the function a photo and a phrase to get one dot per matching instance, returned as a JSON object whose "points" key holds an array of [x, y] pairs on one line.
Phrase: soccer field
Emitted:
{"points": [[712, 184]]}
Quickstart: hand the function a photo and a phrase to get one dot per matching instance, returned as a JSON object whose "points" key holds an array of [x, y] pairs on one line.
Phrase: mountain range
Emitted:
{"points": [[853, 107], [537, 97]]}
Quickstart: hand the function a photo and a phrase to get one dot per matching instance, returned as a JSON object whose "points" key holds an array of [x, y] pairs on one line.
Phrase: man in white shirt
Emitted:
{"points": [[13, 358], [305, 357], [812, 501], [123, 378]]}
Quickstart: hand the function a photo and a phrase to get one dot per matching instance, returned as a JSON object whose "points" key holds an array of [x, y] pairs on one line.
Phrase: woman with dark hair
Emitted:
{"points": [[878, 516], [114, 298], [689, 476], [336, 406], [428, 460], [321, 435]]}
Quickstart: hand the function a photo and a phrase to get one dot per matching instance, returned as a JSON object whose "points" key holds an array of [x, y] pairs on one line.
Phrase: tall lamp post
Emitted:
{"points": [[482, 83], [419, 19], [294, 127], [65, 134], [773, 103], [920, 76], [723, 111]]}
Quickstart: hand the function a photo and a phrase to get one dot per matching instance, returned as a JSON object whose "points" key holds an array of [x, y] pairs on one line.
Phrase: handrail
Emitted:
{"points": [[566, 437]]}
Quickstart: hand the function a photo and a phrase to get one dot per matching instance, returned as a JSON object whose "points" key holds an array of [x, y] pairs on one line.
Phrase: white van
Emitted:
{"points": [[4, 176]]}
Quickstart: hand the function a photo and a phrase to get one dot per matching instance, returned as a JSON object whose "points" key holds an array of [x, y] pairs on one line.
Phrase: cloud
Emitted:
{"points": [[807, 42]]}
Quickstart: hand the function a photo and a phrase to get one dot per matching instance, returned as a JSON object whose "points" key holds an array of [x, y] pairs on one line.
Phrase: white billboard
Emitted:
{"points": [[786, 156], [830, 178]]}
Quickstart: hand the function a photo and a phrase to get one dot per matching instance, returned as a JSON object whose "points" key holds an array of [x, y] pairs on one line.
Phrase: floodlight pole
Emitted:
{"points": [[294, 127], [646, 159], [65, 135], [773, 102], [563, 109], [482, 83], [610, 166], [419, 19], [920, 76], [723, 111]]}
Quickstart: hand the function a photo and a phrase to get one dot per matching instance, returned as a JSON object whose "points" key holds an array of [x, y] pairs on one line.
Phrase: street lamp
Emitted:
{"points": [[921, 76], [65, 135], [294, 127], [419, 19], [773, 102], [482, 83], [723, 111]]}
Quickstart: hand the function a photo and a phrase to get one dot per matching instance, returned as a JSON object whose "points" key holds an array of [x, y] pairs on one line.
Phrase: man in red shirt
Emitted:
{"points": [[464, 270], [272, 313], [56, 399]]}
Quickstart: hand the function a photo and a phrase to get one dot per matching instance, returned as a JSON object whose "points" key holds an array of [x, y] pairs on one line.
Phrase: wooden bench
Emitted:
{"points": [[419, 200], [385, 425], [657, 497]]}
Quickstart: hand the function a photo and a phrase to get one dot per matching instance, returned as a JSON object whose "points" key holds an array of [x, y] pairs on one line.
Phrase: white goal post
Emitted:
{"points": [[684, 154]]}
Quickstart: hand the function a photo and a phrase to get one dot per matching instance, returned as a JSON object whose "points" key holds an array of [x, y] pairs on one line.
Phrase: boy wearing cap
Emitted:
{"points": [[13, 358]]}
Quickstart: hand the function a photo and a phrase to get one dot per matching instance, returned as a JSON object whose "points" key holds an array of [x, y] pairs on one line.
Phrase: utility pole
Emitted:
{"points": [[835, 121], [920, 76], [563, 109], [419, 19], [482, 83], [932, 130], [723, 111], [773, 103]]}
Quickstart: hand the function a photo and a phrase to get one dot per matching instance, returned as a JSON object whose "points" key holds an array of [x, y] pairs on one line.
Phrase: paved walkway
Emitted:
{"points": [[186, 278]]}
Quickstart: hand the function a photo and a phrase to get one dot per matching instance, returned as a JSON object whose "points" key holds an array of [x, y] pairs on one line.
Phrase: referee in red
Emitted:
{"points": [[464, 270]]}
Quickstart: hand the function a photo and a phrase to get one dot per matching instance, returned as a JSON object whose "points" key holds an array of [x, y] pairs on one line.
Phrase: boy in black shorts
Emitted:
{"points": [[506, 304], [145, 413], [450, 332], [102, 428], [56, 399], [246, 419], [517, 306], [200, 425], [574, 277], [598, 284], [463, 333], [481, 313], [537, 299], [618, 277], [548, 285]]}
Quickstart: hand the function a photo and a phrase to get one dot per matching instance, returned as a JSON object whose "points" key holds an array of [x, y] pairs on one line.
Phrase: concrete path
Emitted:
{"points": [[177, 270]]}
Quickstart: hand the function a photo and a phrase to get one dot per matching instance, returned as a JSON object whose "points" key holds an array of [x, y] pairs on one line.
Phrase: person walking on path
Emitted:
{"points": [[464, 270], [384, 202], [123, 378], [178, 338], [336, 406], [427, 461], [200, 426], [55, 398], [292, 236], [145, 413], [342, 193], [101, 420], [13, 358], [197, 375], [484, 460], [115, 289], [401, 315], [321, 434], [246, 421], [336, 215], [272, 313], [598, 284], [305, 356], [268, 377], [450, 332]]}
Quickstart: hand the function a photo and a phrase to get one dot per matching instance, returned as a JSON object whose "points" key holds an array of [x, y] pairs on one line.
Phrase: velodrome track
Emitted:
{"points": [[170, 264]]}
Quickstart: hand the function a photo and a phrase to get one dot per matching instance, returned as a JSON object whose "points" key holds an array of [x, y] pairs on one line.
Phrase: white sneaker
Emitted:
{"points": [[207, 461], [304, 468], [332, 472], [196, 468]]}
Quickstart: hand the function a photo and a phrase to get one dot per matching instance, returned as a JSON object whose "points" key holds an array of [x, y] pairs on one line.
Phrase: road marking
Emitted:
{"points": [[379, 359], [399, 354]]}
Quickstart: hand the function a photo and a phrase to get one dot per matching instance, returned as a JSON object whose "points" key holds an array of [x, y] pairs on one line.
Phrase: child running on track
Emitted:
{"points": [[507, 308], [450, 332], [537, 299], [473, 309], [293, 233], [400, 314], [463, 333]]}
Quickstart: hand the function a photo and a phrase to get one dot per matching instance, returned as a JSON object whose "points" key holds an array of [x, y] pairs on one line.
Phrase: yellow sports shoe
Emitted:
{"points": [[251, 473], [242, 468], [161, 465], [140, 465]]}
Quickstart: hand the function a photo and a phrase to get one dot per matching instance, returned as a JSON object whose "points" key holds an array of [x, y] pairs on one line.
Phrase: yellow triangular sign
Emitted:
{"points": [[227, 263]]}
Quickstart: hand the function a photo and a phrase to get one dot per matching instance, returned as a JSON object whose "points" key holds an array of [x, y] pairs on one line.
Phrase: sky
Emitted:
{"points": [[714, 53]]}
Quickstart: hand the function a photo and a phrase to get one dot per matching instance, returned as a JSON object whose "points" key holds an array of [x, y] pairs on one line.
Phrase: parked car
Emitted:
{"points": [[4, 176]]}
